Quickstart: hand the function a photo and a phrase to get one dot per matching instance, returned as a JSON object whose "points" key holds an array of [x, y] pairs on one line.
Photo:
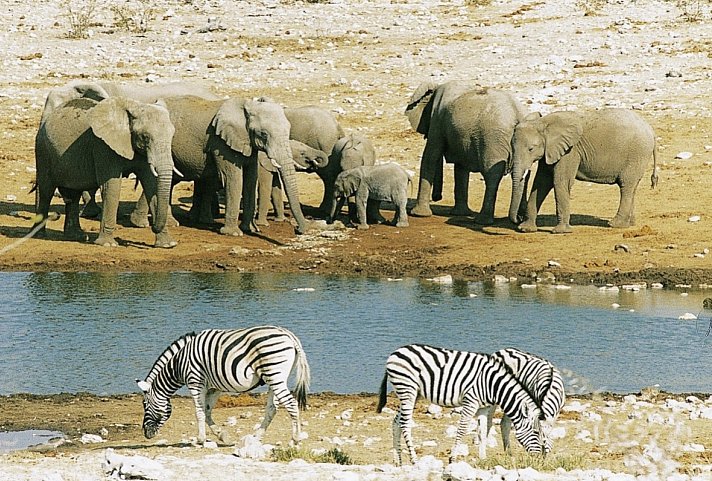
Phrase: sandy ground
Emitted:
{"points": [[362, 61]]}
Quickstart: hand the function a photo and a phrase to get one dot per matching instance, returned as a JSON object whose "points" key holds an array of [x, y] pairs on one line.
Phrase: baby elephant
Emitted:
{"points": [[372, 184]]}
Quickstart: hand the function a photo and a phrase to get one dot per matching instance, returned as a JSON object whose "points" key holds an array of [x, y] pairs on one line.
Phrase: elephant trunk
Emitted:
{"points": [[519, 184], [161, 163], [283, 157]]}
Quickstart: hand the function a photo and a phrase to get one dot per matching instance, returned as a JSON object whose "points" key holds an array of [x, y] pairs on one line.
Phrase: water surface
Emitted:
{"points": [[71, 332]]}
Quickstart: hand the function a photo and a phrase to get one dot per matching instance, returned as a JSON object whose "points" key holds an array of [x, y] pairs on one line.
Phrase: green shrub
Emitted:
{"points": [[333, 456]]}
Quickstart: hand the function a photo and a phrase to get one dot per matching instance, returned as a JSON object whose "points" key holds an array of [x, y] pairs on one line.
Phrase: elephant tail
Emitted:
{"points": [[382, 394], [654, 176]]}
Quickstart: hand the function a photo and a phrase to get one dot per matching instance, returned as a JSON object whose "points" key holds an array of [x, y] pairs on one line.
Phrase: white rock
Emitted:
{"points": [[684, 155], [303, 289], [499, 279], [435, 410], [461, 471], [553, 264], [615, 305], [688, 316], [558, 432], [133, 467], [693, 448], [253, 448], [91, 439], [460, 450], [694, 218], [528, 286], [429, 464]]}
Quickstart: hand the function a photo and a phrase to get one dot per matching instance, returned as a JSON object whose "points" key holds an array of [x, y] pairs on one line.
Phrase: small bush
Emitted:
{"points": [[591, 7], [692, 10], [134, 15], [80, 15], [333, 456], [524, 460]]}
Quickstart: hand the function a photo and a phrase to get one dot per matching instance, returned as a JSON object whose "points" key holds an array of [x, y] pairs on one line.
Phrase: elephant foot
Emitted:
{"points": [[421, 210], [262, 222], [562, 229], [106, 240], [527, 227], [461, 211], [362, 226], [484, 219], [280, 218], [231, 230], [619, 222], [165, 241], [139, 219], [77, 235], [402, 223]]}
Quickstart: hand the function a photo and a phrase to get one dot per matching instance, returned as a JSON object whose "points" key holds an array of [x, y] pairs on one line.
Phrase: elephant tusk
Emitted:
{"points": [[178, 172], [153, 170], [274, 162]]}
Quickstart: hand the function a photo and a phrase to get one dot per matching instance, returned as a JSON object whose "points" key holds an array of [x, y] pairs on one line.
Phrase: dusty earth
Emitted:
{"points": [[362, 61]]}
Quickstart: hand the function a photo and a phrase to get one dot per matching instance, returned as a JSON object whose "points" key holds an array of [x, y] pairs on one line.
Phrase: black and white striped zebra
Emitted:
{"points": [[216, 361], [457, 378], [541, 379]]}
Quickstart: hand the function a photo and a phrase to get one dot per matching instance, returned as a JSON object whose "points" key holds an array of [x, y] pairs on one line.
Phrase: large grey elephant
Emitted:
{"points": [[470, 127], [142, 92], [216, 144], [608, 146], [269, 185], [84, 144]]}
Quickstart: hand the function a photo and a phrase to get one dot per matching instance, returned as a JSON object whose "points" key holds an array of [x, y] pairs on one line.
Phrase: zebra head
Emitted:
{"points": [[156, 410], [529, 430]]}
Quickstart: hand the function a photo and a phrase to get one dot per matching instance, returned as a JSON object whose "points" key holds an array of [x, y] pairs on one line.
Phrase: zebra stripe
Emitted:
{"points": [[456, 378], [543, 381], [216, 361]]}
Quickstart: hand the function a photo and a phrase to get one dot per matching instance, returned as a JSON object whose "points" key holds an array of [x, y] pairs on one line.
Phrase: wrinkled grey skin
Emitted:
{"points": [[384, 182], [318, 129], [216, 144], [269, 186], [83, 144], [609, 146], [142, 92], [470, 127]]}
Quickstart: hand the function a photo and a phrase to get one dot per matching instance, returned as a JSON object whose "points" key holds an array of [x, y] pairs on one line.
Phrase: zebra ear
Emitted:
{"points": [[143, 385]]}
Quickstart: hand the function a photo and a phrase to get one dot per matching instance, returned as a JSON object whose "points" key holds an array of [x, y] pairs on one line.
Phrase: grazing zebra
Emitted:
{"points": [[216, 361], [541, 379], [457, 378]]}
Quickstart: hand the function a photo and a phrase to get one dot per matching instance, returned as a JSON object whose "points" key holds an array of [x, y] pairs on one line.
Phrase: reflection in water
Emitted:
{"points": [[69, 332]]}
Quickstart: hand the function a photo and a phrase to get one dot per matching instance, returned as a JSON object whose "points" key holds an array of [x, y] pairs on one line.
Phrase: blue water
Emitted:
{"points": [[72, 332]]}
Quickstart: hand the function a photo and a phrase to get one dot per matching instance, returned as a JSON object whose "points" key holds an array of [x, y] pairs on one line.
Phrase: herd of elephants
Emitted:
{"points": [[91, 134]]}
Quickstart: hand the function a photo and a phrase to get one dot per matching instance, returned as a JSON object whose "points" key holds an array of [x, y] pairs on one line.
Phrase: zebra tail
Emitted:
{"points": [[303, 376], [382, 394]]}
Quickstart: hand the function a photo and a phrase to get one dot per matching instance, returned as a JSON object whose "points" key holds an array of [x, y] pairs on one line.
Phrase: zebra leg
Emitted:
{"points": [[505, 426], [270, 411], [405, 421], [469, 408], [199, 400], [210, 400], [284, 398], [484, 423], [397, 460]]}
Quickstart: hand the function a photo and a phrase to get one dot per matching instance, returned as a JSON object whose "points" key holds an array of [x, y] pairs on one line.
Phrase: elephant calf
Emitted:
{"points": [[373, 183]]}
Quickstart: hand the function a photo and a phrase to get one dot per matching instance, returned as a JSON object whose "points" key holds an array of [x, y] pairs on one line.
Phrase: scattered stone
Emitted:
{"points": [[621, 247], [684, 155], [553, 264], [91, 439], [694, 218], [444, 279]]}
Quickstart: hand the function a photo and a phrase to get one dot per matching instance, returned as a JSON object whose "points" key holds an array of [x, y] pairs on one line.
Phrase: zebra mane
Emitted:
{"points": [[169, 353], [516, 379]]}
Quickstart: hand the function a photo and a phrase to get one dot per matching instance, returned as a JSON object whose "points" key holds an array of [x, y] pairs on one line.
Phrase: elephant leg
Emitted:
{"points": [[373, 212], [202, 211], [430, 163], [625, 216], [462, 184], [72, 229], [264, 195], [249, 196], [327, 203], [91, 208], [110, 194], [277, 198], [232, 178], [139, 216], [541, 186], [361, 201], [492, 177], [401, 217], [562, 194]]}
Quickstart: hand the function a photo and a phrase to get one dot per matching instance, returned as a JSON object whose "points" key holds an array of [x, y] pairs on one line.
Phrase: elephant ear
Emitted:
{"points": [[230, 123], [109, 121], [420, 107], [90, 90], [562, 132], [350, 183]]}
